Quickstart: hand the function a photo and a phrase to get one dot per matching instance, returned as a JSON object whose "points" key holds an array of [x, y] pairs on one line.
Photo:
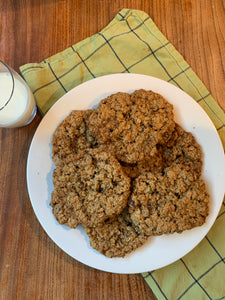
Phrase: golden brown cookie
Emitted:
{"points": [[127, 138], [152, 164], [172, 200], [89, 189], [132, 124], [182, 148], [116, 237], [72, 136]]}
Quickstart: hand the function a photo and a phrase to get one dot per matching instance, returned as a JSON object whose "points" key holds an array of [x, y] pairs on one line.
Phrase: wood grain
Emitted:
{"points": [[31, 265]]}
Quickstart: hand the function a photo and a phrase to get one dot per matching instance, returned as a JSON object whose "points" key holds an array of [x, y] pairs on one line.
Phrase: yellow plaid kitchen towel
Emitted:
{"points": [[132, 43]]}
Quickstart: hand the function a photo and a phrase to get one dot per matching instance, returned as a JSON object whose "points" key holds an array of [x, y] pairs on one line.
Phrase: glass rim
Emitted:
{"points": [[13, 84]]}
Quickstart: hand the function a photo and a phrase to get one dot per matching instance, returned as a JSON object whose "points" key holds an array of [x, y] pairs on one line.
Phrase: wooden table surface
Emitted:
{"points": [[31, 265]]}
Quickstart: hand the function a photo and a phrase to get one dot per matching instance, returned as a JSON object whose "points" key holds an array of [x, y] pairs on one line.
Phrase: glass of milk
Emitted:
{"points": [[17, 104]]}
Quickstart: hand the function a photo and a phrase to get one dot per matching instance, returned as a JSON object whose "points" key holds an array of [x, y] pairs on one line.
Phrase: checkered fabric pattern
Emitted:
{"points": [[132, 43]]}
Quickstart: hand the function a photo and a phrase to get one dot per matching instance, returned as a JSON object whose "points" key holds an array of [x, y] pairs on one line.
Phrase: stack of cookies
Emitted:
{"points": [[126, 171]]}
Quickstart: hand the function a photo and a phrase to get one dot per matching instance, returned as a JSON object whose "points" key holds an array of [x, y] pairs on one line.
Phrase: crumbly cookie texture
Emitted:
{"points": [[182, 148], [152, 164], [116, 237], [127, 171], [89, 189], [132, 124], [172, 200], [72, 136]]}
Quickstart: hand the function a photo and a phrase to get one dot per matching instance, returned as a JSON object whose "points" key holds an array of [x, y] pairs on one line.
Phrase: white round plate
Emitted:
{"points": [[158, 251]]}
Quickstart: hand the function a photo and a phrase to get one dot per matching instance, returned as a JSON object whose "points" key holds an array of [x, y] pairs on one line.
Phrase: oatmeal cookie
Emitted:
{"points": [[72, 136], [132, 124], [116, 237], [89, 189], [182, 148], [169, 201], [152, 164]]}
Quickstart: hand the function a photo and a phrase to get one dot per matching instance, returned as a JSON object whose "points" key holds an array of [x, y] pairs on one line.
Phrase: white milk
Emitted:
{"points": [[21, 108]]}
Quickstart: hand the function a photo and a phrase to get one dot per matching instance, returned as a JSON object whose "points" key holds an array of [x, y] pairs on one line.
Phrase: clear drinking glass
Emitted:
{"points": [[17, 104]]}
